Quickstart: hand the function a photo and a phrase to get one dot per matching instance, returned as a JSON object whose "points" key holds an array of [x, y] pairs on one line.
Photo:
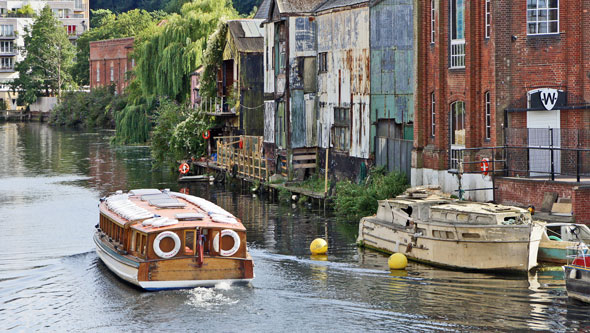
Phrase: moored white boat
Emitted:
{"points": [[165, 240], [430, 228], [558, 237], [577, 273]]}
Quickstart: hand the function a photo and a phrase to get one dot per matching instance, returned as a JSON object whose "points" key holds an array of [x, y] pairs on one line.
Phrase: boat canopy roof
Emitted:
{"points": [[152, 210]]}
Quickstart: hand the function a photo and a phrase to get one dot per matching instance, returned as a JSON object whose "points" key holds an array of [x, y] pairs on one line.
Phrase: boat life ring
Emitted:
{"points": [[169, 254], [184, 168], [206, 134], [241, 144], [233, 250]]}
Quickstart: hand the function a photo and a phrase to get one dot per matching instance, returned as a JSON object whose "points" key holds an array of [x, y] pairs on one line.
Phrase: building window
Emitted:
{"points": [[432, 23], [341, 129], [71, 29], [458, 123], [542, 17], [457, 33], [488, 115], [98, 72], [6, 30], [323, 62], [6, 47], [112, 73], [433, 114], [6, 63], [132, 63], [488, 28]]}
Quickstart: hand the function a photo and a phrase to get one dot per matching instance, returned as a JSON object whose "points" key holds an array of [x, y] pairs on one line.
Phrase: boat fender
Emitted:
{"points": [[233, 250], [555, 238], [159, 238]]}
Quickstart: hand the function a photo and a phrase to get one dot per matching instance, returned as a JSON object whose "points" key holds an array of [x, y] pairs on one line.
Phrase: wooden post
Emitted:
{"points": [[326, 176]]}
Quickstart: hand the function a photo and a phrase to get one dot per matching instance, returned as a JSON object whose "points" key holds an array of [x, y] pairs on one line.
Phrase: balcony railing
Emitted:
{"points": [[458, 53]]}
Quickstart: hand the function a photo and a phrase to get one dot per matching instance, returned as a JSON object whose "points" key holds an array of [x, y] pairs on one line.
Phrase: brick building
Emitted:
{"points": [[508, 81], [110, 62]]}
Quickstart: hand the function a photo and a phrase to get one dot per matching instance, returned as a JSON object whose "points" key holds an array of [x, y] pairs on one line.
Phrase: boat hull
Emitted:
{"points": [[577, 282], [489, 247], [553, 253], [153, 276]]}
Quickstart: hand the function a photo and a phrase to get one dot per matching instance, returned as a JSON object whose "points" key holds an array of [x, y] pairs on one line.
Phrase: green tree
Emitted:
{"points": [[49, 56]]}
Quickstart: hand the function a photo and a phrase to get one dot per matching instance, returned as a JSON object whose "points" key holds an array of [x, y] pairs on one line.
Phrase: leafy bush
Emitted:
{"points": [[354, 201], [87, 109], [178, 132]]}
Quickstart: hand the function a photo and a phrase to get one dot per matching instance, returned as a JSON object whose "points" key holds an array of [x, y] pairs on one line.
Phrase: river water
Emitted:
{"points": [[52, 280]]}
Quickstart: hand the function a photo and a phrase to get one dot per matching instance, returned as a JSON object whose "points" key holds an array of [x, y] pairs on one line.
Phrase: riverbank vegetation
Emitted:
{"points": [[354, 201]]}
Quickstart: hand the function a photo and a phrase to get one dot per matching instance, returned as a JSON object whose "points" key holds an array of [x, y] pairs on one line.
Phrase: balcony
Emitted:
{"points": [[8, 37], [7, 69]]}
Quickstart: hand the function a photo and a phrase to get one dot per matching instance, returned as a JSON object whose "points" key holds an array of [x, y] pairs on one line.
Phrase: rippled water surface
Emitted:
{"points": [[52, 280]]}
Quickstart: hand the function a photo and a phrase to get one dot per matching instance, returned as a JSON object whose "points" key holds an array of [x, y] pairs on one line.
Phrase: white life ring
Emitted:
{"points": [[158, 250], [234, 249]]}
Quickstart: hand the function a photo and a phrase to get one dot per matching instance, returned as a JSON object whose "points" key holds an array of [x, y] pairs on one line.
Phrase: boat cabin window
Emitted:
{"points": [[139, 243], [443, 234], [111, 229], [189, 242]]}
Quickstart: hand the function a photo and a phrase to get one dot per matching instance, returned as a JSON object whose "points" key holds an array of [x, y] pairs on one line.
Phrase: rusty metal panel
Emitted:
{"points": [[269, 121], [310, 120], [309, 75], [344, 36], [392, 63], [297, 119]]}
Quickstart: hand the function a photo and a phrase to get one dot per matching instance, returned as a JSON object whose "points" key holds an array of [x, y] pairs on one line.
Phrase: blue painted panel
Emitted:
{"points": [[375, 71], [390, 107], [297, 119], [404, 72]]}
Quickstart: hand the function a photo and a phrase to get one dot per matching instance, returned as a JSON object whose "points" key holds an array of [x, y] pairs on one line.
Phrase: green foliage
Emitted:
{"points": [[212, 59], [171, 52], [354, 201], [49, 57], [244, 7], [87, 109], [133, 122], [315, 183], [106, 25], [25, 11], [177, 133]]}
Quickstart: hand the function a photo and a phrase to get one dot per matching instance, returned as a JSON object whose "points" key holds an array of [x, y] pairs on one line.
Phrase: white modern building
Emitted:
{"points": [[74, 14]]}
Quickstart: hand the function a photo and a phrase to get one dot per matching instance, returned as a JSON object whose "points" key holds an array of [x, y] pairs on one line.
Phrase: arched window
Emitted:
{"points": [[458, 123]]}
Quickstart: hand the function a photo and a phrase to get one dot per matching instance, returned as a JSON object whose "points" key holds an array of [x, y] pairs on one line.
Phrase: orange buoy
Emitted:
{"points": [[206, 134]]}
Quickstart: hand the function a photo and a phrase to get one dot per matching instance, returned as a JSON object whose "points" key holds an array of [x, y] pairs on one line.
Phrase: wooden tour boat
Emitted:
{"points": [[558, 237], [428, 227], [165, 240], [577, 273]]}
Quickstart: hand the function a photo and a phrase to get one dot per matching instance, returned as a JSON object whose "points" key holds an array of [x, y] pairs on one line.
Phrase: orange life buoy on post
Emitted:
{"points": [[206, 134], [184, 168]]}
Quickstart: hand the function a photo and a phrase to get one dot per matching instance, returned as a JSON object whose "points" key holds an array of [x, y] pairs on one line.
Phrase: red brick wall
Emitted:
{"points": [[524, 192], [508, 64], [107, 54]]}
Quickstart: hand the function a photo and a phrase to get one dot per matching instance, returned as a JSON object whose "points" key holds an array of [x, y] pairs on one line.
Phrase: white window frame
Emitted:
{"points": [[488, 108], [112, 73], [432, 114], [488, 19], [457, 50], [98, 72], [432, 22], [533, 11]]}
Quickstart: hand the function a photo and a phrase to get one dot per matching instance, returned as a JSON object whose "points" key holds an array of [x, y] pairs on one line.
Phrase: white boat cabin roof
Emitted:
{"points": [[152, 210]]}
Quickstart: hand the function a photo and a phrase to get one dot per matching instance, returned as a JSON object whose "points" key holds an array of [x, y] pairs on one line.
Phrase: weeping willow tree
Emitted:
{"points": [[165, 60], [165, 56], [212, 60]]}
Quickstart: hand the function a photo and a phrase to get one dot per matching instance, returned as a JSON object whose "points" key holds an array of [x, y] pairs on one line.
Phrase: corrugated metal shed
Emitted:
{"points": [[248, 36], [332, 4], [298, 6]]}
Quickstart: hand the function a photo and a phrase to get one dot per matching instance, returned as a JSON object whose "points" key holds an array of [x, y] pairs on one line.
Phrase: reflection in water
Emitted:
{"points": [[51, 279]]}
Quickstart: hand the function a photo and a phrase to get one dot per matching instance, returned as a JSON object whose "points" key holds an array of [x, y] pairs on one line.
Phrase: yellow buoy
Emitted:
{"points": [[318, 246], [397, 261]]}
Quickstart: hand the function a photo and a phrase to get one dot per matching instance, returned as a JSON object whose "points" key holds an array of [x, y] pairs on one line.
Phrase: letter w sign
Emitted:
{"points": [[549, 97]]}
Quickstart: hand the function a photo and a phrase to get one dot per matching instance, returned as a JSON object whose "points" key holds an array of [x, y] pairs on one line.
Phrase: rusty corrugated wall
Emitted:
{"points": [[344, 37], [392, 69]]}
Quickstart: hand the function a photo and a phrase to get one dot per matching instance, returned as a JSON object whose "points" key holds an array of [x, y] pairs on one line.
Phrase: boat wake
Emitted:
{"points": [[207, 298]]}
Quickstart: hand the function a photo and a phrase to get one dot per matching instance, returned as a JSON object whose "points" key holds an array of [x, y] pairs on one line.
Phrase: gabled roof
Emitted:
{"points": [[263, 11], [247, 35], [331, 4], [298, 6]]}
